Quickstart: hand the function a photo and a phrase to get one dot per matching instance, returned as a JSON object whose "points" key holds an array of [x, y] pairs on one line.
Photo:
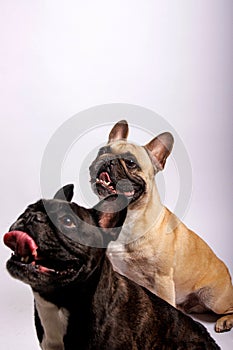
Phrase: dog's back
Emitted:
{"points": [[141, 320], [80, 301]]}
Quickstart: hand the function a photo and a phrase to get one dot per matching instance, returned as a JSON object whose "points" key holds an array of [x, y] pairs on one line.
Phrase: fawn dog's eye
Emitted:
{"points": [[67, 221], [130, 164]]}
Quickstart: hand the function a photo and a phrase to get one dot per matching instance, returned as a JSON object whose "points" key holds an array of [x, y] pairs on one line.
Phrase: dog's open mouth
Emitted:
{"points": [[105, 185], [104, 180], [27, 254]]}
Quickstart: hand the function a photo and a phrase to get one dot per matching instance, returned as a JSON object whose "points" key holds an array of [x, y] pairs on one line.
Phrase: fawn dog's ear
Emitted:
{"points": [[119, 131], [159, 149]]}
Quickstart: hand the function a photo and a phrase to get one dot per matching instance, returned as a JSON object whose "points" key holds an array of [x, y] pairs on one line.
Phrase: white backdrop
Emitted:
{"points": [[59, 58]]}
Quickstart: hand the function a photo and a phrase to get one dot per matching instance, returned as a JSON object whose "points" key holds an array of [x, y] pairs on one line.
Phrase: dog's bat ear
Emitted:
{"points": [[160, 148], [111, 213], [65, 193], [119, 131]]}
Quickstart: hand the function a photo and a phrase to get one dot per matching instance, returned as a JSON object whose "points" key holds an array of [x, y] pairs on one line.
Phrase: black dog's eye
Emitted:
{"points": [[130, 164], [67, 221]]}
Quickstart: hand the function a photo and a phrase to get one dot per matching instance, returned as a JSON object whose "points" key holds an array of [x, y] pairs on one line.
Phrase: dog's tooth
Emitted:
{"points": [[103, 182], [26, 259]]}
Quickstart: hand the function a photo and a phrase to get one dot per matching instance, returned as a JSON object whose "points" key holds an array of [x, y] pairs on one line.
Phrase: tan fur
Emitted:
{"points": [[159, 252]]}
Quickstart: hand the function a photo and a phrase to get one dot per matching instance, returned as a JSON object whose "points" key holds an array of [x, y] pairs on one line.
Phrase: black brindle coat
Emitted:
{"points": [[80, 301]]}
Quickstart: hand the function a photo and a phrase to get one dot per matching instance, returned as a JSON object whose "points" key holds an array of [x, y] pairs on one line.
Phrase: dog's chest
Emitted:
{"points": [[134, 265], [54, 321]]}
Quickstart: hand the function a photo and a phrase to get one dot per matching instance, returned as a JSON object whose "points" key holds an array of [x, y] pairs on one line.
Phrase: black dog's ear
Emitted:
{"points": [[110, 214], [160, 148], [119, 131], [65, 193]]}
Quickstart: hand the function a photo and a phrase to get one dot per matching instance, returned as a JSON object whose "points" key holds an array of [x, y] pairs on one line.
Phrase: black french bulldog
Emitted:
{"points": [[80, 301]]}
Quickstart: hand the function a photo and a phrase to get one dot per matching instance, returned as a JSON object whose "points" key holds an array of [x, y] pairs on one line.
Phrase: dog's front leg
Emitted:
{"points": [[223, 305]]}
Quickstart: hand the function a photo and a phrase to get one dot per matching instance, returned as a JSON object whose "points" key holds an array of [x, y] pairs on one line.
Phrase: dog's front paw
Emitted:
{"points": [[224, 323]]}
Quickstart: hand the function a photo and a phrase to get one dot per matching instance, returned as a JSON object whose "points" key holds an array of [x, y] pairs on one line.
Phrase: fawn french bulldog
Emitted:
{"points": [[80, 301], [155, 248]]}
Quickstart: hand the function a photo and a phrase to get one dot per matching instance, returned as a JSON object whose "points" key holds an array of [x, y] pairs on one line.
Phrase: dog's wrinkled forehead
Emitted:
{"points": [[36, 210], [139, 152], [45, 206]]}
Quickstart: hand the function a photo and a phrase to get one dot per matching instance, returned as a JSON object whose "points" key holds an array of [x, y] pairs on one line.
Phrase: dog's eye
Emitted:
{"points": [[67, 221], [130, 163]]}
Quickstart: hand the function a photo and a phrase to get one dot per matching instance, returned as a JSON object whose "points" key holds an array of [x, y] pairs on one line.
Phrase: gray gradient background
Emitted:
{"points": [[61, 57]]}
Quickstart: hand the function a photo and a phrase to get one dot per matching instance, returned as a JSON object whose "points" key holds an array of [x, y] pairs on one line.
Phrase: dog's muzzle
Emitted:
{"points": [[111, 175]]}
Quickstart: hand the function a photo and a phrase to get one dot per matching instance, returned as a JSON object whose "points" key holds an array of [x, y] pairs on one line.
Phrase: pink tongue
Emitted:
{"points": [[21, 243], [105, 177]]}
